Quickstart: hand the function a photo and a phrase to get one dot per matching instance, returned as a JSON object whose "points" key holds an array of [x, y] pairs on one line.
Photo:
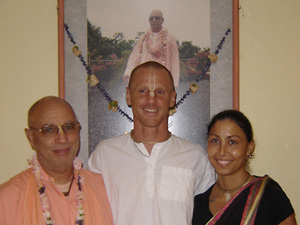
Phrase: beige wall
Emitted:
{"points": [[28, 71], [269, 81], [270, 88]]}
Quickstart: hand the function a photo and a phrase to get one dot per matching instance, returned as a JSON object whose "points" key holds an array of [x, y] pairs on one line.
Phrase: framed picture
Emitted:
{"points": [[105, 34]]}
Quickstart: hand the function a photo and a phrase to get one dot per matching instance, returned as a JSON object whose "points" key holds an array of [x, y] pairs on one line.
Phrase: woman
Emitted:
{"points": [[238, 197]]}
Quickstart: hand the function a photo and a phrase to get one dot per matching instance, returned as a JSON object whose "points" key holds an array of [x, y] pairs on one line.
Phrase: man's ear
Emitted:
{"points": [[128, 98], [173, 99], [29, 136]]}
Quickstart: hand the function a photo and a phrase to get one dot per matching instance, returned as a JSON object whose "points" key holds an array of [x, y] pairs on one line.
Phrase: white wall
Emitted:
{"points": [[269, 81]]}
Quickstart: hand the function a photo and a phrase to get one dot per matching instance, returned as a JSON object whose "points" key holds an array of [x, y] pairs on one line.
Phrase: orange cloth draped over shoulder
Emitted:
{"points": [[20, 202]]}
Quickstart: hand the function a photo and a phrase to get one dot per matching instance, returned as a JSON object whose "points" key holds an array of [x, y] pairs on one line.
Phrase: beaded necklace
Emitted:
{"points": [[228, 193], [34, 164]]}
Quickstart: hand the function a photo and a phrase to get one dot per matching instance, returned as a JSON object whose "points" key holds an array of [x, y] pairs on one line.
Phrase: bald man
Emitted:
{"points": [[151, 175], [157, 44], [55, 189]]}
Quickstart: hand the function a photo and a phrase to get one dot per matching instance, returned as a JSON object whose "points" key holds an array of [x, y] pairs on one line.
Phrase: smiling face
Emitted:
{"points": [[151, 93], [55, 154], [228, 148]]}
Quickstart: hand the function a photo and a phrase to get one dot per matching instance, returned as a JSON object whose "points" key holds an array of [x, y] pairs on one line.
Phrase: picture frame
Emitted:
{"points": [[224, 74]]}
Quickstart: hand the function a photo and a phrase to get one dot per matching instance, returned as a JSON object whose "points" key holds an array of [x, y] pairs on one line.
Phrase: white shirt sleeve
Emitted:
{"points": [[94, 162], [206, 175]]}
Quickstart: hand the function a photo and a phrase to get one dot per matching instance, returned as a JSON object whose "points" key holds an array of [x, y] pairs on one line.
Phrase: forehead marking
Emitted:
{"points": [[151, 93], [222, 136]]}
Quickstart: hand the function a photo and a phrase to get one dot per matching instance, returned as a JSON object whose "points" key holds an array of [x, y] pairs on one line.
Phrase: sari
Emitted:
{"points": [[257, 188]]}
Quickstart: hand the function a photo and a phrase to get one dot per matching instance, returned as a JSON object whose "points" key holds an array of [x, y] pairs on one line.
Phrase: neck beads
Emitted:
{"points": [[228, 193]]}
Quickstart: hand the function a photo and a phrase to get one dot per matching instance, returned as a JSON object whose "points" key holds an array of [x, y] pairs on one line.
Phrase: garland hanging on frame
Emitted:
{"points": [[113, 104]]}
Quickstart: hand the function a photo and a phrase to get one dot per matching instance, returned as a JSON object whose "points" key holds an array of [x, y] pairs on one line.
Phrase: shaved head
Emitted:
{"points": [[150, 64], [157, 13], [55, 152], [43, 103]]}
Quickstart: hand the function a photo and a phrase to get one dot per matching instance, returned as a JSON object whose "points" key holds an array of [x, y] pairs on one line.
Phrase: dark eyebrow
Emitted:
{"points": [[213, 135], [231, 136]]}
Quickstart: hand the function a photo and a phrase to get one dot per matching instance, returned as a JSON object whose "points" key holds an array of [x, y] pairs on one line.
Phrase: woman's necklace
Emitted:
{"points": [[233, 190], [34, 164]]}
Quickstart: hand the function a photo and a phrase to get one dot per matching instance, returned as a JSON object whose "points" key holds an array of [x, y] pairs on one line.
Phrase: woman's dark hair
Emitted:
{"points": [[238, 117]]}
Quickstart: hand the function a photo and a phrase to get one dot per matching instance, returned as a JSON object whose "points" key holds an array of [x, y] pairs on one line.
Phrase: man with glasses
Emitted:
{"points": [[55, 189], [157, 44]]}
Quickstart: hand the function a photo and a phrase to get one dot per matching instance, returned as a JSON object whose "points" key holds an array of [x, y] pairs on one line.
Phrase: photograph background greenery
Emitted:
{"points": [[107, 56]]}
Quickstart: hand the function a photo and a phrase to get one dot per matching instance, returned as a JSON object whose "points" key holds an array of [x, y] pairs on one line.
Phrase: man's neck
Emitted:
{"points": [[156, 31], [62, 177], [150, 136]]}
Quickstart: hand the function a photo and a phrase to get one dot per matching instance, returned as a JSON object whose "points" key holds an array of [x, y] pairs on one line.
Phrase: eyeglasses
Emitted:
{"points": [[52, 130], [154, 17]]}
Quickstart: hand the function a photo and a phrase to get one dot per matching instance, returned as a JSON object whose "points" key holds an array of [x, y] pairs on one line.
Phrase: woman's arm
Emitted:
{"points": [[291, 220]]}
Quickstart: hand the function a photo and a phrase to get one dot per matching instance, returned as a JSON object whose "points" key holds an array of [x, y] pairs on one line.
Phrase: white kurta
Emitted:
{"points": [[156, 189]]}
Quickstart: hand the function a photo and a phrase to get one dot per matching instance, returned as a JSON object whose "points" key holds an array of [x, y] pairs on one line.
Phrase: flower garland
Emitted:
{"points": [[194, 87], [213, 59], [161, 52], [92, 79], [113, 106], [34, 164]]}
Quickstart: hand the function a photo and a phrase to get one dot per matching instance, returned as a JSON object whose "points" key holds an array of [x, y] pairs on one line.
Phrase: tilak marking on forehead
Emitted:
{"points": [[222, 136], [151, 93]]}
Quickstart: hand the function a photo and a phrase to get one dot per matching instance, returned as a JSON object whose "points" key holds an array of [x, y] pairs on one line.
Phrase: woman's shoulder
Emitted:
{"points": [[275, 205], [274, 190]]}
